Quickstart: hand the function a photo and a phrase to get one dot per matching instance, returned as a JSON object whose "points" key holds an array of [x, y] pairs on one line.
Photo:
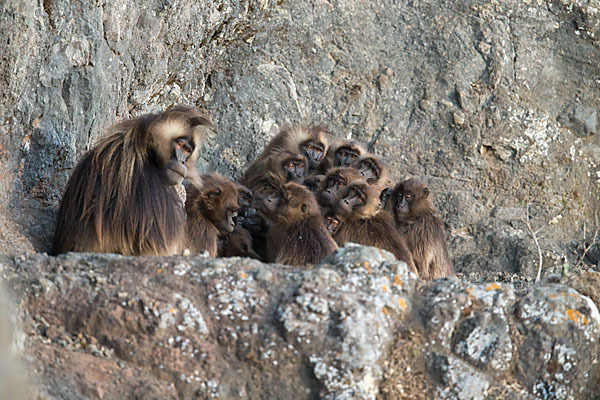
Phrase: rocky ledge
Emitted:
{"points": [[358, 326]]}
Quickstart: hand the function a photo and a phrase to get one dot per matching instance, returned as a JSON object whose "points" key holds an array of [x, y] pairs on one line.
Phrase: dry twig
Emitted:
{"points": [[587, 247], [534, 236]]}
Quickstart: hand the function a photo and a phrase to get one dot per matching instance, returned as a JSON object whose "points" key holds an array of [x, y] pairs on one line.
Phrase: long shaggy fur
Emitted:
{"points": [[115, 201]]}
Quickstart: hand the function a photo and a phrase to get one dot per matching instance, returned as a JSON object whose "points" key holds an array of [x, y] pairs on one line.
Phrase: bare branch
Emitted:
{"points": [[534, 236], [586, 247]]}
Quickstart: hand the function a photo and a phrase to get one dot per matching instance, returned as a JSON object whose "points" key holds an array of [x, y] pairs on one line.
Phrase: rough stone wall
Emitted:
{"points": [[495, 104]]}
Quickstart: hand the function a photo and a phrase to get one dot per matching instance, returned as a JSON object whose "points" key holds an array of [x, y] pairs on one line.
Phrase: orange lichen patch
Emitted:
{"points": [[469, 291], [577, 317], [366, 265], [159, 271], [385, 288], [385, 310], [493, 286], [338, 355], [402, 303], [397, 280], [171, 310], [243, 275]]}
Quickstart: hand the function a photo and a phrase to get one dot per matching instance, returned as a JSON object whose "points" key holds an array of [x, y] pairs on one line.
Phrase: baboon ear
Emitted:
{"points": [[304, 209], [426, 192]]}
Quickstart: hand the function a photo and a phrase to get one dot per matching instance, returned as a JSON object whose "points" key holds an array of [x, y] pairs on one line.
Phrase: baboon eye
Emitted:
{"points": [[309, 147], [300, 165], [408, 196], [340, 184], [291, 165], [343, 153]]}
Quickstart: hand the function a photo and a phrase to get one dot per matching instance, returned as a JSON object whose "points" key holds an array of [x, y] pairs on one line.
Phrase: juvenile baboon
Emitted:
{"points": [[298, 235], [237, 244], [373, 169], [310, 141], [279, 168], [333, 183], [418, 223], [358, 217], [211, 211], [341, 154], [121, 197]]}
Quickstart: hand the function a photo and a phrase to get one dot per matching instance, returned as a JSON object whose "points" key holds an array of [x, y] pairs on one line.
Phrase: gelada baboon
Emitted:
{"points": [[418, 223], [211, 211], [358, 217], [334, 182], [121, 196], [279, 168], [341, 154], [298, 235], [309, 141], [239, 242], [374, 170]]}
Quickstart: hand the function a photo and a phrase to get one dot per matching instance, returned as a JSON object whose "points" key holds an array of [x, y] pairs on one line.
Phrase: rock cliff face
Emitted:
{"points": [[358, 326], [494, 104]]}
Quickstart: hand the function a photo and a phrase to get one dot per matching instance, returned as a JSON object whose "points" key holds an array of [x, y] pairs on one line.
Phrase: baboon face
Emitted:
{"points": [[294, 168], [345, 155], [332, 223], [314, 151], [220, 199], [355, 197], [246, 196], [409, 194], [334, 183], [293, 203], [172, 144], [369, 168]]}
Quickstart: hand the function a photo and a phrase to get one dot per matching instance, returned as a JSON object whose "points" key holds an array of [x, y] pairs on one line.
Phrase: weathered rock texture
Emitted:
{"points": [[495, 104], [358, 326]]}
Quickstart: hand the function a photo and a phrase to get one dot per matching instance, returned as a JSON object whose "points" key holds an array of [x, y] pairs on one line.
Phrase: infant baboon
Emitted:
{"points": [[298, 235]]}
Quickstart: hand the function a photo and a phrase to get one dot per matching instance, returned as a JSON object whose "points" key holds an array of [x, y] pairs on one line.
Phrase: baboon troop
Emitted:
{"points": [[307, 193]]}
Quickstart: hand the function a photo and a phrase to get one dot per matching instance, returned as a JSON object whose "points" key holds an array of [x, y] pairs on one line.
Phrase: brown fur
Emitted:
{"points": [[423, 230], [289, 140], [298, 235], [369, 224], [340, 177], [380, 169], [117, 201], [238, 244], [210, 212], [268, 181], [330, 160]]}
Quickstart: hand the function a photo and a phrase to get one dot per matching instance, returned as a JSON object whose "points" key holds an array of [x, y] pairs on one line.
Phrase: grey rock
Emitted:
{"points": [[558, 325]]}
